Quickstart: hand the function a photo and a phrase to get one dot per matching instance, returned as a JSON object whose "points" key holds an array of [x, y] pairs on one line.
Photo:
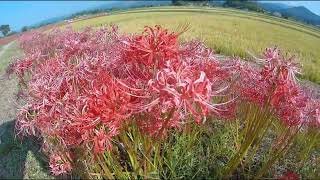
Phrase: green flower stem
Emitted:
{"points": [[280, 150], [313, 138], [254, 130]]}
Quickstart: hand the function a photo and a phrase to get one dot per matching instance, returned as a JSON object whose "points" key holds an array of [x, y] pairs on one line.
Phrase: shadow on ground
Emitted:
{"points": [[20, 159]]}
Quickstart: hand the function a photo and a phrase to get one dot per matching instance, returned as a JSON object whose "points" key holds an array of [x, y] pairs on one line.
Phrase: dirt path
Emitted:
{"points": [[18, 160], [4, 48], [8, 89]]}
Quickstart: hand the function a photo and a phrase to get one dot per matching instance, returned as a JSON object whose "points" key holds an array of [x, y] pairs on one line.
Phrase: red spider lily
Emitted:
{"points": [[152, 48], [290, 104], [25, 124], [275, 84], [289, 175], [181, 90], [272, 54], [59, 165], [277, 68], [102, 141], [250, 85], [21, 67]]}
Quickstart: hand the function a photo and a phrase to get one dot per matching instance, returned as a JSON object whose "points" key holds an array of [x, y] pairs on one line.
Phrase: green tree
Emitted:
{"points": [[231, 2], [24, 29], [5, 29], [181, 2], [244, 4]]}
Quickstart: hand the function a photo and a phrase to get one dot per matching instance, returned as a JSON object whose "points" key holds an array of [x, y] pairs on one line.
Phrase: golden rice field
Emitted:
{"points": [[229, 32]]}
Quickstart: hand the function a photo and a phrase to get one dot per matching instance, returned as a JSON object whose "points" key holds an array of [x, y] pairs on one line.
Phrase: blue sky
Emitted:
{"points": [[23, 13]]}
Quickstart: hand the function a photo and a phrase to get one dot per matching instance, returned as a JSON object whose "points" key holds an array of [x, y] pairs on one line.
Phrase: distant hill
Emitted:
{"points": [[134, 4], [302, 14], [274, 7], [299, 13], [100, 9]]}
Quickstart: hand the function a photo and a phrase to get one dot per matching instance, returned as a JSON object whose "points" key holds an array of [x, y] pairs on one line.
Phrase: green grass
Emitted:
{"points": [[230, 32], [10, 51], [210, 152], [20, 159]]}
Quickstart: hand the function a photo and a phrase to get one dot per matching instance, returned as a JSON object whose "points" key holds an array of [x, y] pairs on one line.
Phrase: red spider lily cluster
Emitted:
{"points": [[84, 88], [275, 85]]}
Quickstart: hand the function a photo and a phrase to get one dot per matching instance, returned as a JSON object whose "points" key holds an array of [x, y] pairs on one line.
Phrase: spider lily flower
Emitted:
{"points": [[289, 175], [272, 55], [59, 165], [102, 141], [152, 48], [278, 67]]}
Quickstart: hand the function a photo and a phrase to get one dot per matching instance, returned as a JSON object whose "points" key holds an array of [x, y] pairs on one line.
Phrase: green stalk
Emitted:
{"points": [[259, 141], [259, 122], [279, 152], [312, 142], [107, 172], [157, 160], [132, 152]]}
